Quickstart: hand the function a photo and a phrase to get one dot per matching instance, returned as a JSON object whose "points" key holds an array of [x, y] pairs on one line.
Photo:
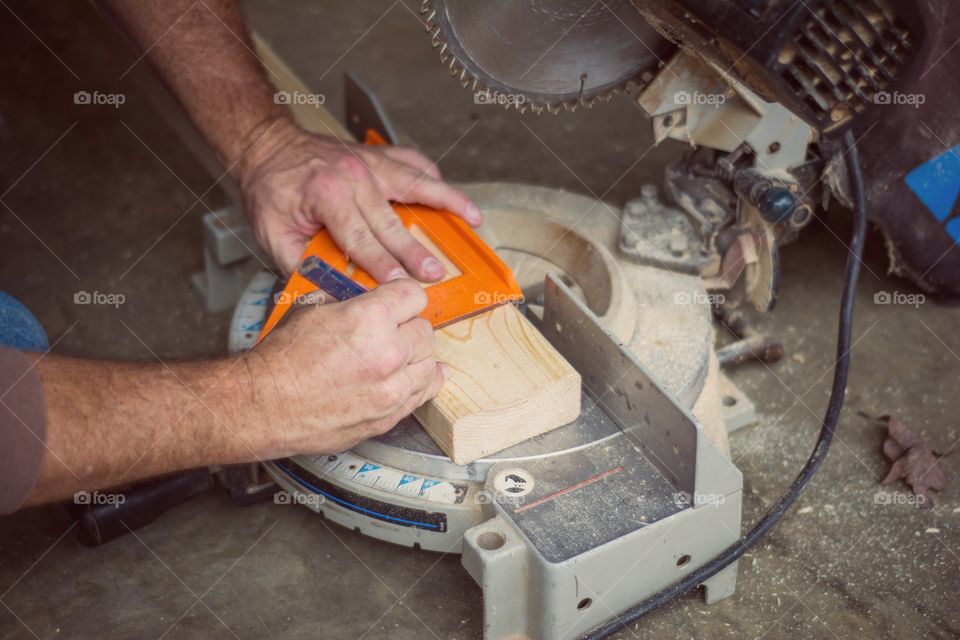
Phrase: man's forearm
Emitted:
{"points": [[332, 376], [205, 55], [112, 423]]}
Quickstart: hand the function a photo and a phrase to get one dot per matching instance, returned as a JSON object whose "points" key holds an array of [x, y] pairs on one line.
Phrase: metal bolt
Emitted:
{"points": [[801, 216]]}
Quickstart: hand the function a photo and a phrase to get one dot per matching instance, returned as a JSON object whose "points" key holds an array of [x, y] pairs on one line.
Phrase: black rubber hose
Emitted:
{"points": [[842, 367]]}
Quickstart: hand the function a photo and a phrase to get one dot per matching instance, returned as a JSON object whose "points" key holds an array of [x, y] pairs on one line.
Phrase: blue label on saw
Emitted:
{"points": [[427, 483], [937, 184]]}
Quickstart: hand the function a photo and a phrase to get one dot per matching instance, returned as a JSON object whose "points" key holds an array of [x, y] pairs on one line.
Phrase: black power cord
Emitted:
{"points": [[776, 512]]}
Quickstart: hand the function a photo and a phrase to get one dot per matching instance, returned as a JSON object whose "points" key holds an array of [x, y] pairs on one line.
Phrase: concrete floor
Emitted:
{"points": [[839, 566]]}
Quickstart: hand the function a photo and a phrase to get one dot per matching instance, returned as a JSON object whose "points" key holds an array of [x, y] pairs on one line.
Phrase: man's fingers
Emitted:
{"points": [[427, 378], [353, 235], [403, 299], [439, 195], [418, 334], [391, 233], [413, 158], [423, 380], [286, 251], [433, 378]]}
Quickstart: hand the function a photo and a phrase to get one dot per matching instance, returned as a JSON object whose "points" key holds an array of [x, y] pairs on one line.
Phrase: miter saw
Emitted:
{"points": [[762, 90], [567, 531], [637, 500]]}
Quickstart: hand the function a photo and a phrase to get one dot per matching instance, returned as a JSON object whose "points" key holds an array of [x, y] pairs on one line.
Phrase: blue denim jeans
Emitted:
{"points": [[19, 329]]}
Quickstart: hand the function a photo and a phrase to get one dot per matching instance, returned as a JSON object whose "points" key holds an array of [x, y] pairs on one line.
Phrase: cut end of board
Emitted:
{"points": [[507, 384]]}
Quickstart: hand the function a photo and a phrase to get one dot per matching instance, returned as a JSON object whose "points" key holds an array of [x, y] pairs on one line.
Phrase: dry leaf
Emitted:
{"points": [[913, 461]]}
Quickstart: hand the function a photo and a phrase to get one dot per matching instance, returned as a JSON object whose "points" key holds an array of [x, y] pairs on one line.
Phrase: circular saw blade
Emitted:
{"points": [[554, 54]]}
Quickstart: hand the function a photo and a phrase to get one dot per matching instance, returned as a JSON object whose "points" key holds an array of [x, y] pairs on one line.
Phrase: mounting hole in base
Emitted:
{"points": [[491, 540], [583, 604], [729, 401], [683, 560]]}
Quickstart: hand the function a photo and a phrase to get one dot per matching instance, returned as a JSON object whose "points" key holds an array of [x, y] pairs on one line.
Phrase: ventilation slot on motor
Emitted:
{"points": [[843, 56]]}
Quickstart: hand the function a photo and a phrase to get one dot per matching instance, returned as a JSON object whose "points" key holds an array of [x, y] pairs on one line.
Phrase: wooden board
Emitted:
{"points": [[311, 116], [506, 385]]}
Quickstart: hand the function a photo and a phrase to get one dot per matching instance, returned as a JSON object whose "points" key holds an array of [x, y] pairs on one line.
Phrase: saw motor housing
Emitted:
{"points": [[758, 89], [823, 60]]}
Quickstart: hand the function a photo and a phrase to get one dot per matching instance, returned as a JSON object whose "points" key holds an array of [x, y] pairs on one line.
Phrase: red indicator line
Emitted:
{"points": [[570, 489]]}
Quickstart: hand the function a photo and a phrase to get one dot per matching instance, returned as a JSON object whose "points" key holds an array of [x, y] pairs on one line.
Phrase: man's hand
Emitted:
{"points": [[331, 376], [337, 374], [296, 183]]}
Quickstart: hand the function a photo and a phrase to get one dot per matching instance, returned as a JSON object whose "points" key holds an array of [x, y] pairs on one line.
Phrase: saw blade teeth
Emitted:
{"points": [[427, 9], [433, 22]]}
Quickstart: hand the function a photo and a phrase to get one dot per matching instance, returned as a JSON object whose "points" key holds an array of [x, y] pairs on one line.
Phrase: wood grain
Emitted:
{"points": [[309, 115], [506, 384]]}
